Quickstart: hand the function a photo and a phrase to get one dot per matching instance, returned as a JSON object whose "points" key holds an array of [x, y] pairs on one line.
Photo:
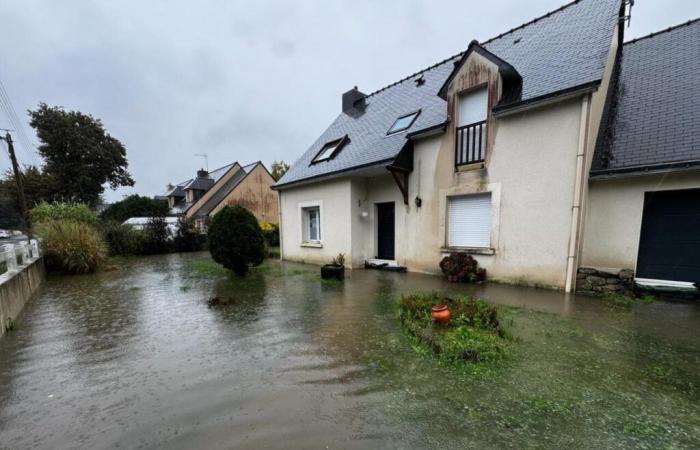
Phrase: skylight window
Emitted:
{"points": [[330, 150], [403, 123]]}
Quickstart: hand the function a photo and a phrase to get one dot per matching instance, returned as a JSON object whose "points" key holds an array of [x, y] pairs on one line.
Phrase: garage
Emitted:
{"points": [[669, 244]]}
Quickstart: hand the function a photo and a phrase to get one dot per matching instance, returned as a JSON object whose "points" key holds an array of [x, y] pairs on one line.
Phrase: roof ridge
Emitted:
{"points": [[666, 30], [417, 73], [536, 19]]}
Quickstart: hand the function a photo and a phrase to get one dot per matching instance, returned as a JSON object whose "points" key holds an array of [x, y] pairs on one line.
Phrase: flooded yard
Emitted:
{"points": [[136, 358]]}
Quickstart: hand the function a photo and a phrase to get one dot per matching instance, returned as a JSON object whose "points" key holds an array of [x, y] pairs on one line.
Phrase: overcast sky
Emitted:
{"points": [[240, 81]]}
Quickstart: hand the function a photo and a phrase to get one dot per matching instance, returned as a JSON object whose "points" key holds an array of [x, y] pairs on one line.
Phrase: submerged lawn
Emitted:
{"points": [[291, 361]]}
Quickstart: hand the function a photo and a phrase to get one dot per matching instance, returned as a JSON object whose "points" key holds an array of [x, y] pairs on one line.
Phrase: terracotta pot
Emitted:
{"points": [[441, 314]]}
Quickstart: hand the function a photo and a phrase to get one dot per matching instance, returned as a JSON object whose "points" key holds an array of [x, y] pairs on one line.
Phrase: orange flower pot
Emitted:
{"points": [[441, 314]]}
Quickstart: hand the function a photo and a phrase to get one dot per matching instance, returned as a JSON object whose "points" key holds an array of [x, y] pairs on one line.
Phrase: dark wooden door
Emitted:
{"points": [[669, 242], [385, 230]]}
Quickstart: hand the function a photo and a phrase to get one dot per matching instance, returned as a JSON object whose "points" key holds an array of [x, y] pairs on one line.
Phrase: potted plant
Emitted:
{"points": [[336, 269]]}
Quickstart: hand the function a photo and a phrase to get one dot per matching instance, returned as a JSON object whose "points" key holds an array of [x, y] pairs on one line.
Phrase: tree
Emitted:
{"points": [[135, 206], [157, 237], [279, 168], [81, 157], [235, 239], [38, 187]]}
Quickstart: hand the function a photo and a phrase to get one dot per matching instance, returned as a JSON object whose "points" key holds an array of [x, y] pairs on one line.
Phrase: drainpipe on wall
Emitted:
{"points": [[572, 260], [279, 218]]}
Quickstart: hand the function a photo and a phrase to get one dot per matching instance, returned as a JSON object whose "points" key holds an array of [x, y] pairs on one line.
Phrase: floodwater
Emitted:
{"points": [[136, 358]]}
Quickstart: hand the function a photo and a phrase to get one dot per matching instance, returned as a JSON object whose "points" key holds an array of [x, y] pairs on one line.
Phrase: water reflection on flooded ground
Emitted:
{"points": [[136, 358]]}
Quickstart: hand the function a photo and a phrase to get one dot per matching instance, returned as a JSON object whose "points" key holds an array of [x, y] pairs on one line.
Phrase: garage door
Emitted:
{"points": [[669, 245]]}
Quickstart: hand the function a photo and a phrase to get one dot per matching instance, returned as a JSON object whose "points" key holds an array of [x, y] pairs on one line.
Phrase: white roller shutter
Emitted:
{"points": [[469, 221]]}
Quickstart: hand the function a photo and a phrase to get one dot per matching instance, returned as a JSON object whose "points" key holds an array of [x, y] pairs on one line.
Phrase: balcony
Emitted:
{"points": [[470, 144]]}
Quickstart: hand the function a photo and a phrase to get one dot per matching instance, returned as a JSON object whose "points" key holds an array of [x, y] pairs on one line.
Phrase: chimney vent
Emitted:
{"points": [[201, 173], [354, 103]]}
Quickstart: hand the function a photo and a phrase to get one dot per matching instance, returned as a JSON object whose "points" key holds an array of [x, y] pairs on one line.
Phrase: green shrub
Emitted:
{"points": [[70, 246], [157, 237], [187, 238], [235, 239], [135, 206], [123, 239], [77, 212]]}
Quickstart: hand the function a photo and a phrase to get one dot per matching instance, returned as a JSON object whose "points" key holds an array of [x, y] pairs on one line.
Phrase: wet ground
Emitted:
{"points": [[137, 359]]}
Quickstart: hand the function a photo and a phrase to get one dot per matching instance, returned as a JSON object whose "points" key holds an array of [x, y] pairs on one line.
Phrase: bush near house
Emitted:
{"points": [[157, 238], [70, 246], [235, 239], [122, 239], [462, 268], [187, 238], [78, 212], [474, 333], [271, 231]]}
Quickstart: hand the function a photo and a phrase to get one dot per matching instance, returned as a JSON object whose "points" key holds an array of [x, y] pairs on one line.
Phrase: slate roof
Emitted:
{"points": [[654, 116], [561, 50], [225, 189]]}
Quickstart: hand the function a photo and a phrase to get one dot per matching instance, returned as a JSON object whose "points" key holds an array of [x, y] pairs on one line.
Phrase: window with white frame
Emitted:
{"points": [[469, 221], [311, 221]]}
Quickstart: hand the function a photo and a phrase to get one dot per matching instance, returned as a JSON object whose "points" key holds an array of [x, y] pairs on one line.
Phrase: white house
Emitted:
{"points": [[488, 152]]}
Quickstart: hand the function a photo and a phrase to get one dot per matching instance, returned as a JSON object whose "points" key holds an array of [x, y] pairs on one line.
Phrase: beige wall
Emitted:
{"points": [[333, 199], [614, 217], [254, 193], [530, 170]]}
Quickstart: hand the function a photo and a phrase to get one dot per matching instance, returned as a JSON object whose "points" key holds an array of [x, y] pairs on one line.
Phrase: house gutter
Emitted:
{"points": [[572, 259], [555, 97]]}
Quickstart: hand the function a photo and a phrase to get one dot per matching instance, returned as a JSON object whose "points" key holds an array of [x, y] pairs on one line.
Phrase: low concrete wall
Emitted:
{"points": [[17, 289]]}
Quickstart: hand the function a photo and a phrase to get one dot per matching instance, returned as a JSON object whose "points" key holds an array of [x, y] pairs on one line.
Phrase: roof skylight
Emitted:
{"points": [[330, 150], [403, 122]]}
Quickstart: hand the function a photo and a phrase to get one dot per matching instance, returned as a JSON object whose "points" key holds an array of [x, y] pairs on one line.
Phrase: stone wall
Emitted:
{"points": [[590, 281], [16, 289]]}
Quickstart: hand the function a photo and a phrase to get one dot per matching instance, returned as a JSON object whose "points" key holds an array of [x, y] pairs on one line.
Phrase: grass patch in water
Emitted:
{"points": [[617, 300], [473, 334]]}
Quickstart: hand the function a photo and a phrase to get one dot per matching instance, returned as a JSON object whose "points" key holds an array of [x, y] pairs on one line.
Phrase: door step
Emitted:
{"points": [[384, 264]]}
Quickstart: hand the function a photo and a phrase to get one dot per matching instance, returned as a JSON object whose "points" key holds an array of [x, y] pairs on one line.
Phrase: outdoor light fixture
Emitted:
{"points": [[419, 201]]}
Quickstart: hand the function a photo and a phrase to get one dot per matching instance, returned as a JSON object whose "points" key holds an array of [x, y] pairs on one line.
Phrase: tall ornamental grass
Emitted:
{"points": [[70, 246]]}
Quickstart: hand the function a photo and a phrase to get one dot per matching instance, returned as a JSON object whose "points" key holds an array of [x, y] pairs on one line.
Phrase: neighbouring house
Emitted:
{"points": [[249, 186], [491, 152], [140, 223]]}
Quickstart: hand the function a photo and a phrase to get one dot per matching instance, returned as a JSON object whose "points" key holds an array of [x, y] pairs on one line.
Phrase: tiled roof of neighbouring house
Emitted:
{"points": [[225, 189], [653, 121], [559, 51]]}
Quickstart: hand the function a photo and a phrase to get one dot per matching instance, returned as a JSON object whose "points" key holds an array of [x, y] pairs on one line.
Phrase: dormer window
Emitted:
{"points": [[330, 150], [403, 123], [470, 139]]}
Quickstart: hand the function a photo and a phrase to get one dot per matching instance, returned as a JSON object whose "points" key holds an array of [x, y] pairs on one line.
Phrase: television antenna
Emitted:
{"points": [[206, 159]]}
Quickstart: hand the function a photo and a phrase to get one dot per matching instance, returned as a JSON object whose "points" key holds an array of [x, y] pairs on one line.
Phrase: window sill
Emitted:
{"points": [[469, 250], [470, 167], [312, 244]]}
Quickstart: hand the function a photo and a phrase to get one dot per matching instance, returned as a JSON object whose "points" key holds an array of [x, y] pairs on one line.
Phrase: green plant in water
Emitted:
{"points": [[10, 325], [474, 333]]}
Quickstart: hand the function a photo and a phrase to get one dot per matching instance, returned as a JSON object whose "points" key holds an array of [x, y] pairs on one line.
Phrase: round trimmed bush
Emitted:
{"points": [[235, 239]]}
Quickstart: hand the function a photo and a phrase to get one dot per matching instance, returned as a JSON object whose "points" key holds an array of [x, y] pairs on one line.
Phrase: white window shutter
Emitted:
{"points": [[469, 221], [473, 107]]}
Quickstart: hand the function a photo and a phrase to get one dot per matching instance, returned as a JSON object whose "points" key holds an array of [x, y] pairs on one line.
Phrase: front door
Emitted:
{"points": [[385, 230], [669, 245]]}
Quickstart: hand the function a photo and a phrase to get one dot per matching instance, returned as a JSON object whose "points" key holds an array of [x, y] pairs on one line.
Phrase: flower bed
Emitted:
{"points": [[473, 333]]}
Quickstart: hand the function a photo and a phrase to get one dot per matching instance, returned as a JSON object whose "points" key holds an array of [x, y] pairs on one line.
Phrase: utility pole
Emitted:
{"points": [[18, 181]]}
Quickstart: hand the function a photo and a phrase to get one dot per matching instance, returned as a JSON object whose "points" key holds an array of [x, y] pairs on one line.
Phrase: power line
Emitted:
{"points": [[11, 114]]}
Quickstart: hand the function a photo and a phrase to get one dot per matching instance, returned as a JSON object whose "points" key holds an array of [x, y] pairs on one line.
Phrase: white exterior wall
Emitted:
{"points": [[614, 217], [333, 198]]}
